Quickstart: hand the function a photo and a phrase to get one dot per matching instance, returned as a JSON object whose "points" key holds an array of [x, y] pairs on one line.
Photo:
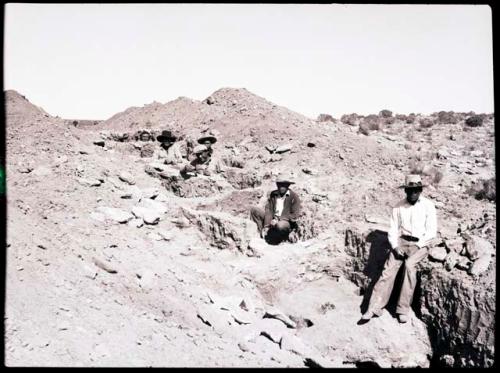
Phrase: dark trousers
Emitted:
{"points": [[280, 231]]}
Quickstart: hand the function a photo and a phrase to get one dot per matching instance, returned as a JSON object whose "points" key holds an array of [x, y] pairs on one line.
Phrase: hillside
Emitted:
{"points": [[92, 282]]}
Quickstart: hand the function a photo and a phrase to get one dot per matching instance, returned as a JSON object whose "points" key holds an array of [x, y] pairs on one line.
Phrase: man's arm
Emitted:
{"points": [[430, 225], [393, 234], [268, 212]]}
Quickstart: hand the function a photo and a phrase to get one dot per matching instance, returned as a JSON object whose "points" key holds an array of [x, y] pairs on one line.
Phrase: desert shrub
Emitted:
{"points": [[401, 117], [350, 119], [369, 123], [385, 113], [447, 117], [389, 120], [410, 119], [484, 189], [325, 118], [474, 121], [426, 122]]}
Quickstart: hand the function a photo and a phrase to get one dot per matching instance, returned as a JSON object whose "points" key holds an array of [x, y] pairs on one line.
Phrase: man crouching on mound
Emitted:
{"points": [[277, 222]]}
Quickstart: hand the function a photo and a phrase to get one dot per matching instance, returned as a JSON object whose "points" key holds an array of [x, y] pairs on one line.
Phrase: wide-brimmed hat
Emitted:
{"points": [[204, 139], [413, 181], [199, 149], [166, 136], [284, 179]]}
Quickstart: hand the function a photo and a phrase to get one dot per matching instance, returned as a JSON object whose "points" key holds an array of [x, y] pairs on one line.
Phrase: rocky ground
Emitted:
{"points": [[112, 262]]}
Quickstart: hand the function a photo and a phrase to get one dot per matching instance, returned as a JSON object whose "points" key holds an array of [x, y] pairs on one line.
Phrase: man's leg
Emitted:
{"points": [[410, 281], [383, 288], [257, 215]]}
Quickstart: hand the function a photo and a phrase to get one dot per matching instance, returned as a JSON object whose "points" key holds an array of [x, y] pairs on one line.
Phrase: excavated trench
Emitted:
{"points": [[459, 313]]}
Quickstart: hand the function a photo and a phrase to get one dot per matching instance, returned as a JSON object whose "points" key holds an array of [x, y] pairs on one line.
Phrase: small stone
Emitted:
{"points": [[115, 214], [463, 263], [167, 236], [283, 148], [103, 265], [127, 178], [99, 143], [270, 148], [89, 182], [438, 253], [480, 265]]}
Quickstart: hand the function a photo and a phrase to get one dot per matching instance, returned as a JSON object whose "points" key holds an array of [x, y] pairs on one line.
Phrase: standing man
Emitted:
{"points": [[280, 214], [413, 225]]}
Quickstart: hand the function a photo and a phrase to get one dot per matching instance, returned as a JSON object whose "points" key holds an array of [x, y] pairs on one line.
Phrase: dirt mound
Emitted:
{"points": [[121, 261]]}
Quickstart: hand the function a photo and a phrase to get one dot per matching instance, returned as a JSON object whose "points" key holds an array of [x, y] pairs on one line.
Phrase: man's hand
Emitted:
{"points": [[274, 222], [263, 232], [398, 253]]}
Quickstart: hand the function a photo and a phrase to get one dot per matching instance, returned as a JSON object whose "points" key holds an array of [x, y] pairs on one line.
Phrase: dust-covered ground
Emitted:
{"points": [[112, 261]]}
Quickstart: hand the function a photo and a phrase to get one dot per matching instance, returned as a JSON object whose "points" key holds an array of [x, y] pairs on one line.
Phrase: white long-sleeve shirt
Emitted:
{"points": [[280, 201], [418, 220]]}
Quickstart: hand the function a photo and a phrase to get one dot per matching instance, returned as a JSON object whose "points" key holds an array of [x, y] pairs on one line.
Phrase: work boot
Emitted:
{"points": [[402, 318], [371, 313]]}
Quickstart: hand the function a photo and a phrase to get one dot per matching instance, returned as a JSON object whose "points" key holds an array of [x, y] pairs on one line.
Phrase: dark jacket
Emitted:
{"points": [[291, 207]]}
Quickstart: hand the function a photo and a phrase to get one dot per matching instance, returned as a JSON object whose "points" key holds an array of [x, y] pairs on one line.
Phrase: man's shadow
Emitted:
{"points": [[379, 253]]}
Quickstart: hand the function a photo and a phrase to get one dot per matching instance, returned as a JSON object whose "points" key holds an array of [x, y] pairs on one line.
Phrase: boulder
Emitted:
{"points": [[89, 182], [463, 263], [476, 246], [115, 214], [283, 148], [150, 216], [451, 260], [438, 253], [480, 265], [240, 179], [126, 177], [223, 230]]}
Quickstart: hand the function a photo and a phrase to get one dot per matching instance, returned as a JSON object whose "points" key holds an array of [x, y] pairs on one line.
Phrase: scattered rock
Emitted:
{"points": [[476, 246], [89, 182], [103, 265], [283, 148], [438, 253], [451, 260], [480, 265], [150, 216], [137, 223], [463, 263], [115, 214], [127, 178]]}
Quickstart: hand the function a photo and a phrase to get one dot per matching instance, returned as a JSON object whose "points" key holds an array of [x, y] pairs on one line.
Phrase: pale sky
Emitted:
{"points": [[90, 61]]}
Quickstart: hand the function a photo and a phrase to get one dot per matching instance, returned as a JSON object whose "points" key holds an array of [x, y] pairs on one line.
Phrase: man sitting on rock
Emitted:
{"points": [[199, 165], [277, 221], [412, 227], [171, 148], [208, 141]]}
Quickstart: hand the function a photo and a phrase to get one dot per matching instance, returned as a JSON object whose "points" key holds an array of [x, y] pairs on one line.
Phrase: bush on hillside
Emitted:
{"points": [[325, 118], [426, 122], [474, 121], [350, 119], [385, 113], [447, 117], [484, 189]]}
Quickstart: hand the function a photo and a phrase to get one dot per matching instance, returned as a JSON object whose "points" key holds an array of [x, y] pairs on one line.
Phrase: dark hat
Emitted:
{"points": [[166, 136], [412, 181], [204, 139]]}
